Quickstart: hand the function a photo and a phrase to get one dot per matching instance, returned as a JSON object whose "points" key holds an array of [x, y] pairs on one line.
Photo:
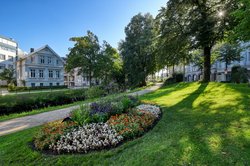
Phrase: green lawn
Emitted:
{"points": [[202, 124]]}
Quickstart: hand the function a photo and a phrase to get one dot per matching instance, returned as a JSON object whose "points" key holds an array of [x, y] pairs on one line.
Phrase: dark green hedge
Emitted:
{"points": [[21, 89], [27, 102]]}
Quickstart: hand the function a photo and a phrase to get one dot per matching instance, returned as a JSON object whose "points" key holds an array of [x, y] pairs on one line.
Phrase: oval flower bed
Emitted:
{"points": [[97, 126]]}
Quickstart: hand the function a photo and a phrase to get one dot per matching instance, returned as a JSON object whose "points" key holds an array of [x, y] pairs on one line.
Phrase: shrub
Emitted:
{"points": [[94, 92], [50, 133], [13, 88], [129, 101], [239, 74], [176, 78], [132, 124], [82, 115], [27, 102], [86, 138]]}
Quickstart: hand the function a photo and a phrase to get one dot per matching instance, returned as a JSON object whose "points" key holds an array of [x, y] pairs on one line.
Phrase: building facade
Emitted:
{"points": [[73, 79], [41, 67], [219, 72], [8, 54]]}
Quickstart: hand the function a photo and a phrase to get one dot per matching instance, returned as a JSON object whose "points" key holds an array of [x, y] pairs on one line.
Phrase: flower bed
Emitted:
{"points": [[98, 126]]}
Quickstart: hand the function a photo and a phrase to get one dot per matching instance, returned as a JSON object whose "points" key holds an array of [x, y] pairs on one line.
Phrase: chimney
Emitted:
{"points": [[32, 50]]}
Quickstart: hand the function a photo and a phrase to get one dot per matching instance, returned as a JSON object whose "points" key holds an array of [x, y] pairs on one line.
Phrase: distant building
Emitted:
{"points": [[218, 69], [41, 67], [8, 54], [73, 79]]}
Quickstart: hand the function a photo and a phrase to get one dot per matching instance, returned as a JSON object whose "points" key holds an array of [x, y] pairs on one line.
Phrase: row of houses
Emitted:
{"points": [[40, 67], [219, 73]]}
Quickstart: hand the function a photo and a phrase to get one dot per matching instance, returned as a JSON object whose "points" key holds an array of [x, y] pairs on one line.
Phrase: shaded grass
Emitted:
{"points": [[202, 124]]}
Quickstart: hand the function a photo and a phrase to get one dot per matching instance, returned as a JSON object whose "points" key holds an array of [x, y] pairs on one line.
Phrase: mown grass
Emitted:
{"points": [[202, 124]]}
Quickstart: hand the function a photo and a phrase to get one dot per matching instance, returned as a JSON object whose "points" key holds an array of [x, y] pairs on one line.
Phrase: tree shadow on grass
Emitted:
{"points": [[209, 136]]}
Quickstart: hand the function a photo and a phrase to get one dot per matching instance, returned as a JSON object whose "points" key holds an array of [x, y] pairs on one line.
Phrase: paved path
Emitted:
{"points": [[26, 122]]}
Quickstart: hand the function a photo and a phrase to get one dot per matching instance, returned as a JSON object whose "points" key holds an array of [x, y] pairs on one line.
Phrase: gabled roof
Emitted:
{"points": [[39, 49]]}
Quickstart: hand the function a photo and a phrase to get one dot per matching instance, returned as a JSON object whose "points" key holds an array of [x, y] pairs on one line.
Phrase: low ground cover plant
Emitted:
{"points": [[99, 125]]}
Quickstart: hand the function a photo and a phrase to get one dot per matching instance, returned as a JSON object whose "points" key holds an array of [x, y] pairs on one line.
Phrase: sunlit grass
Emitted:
{"points": [[202, 124]]}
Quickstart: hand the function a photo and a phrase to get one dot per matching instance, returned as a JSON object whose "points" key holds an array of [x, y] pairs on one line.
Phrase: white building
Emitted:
{"points": [[41, 67], [218, 69], [8, 54]]}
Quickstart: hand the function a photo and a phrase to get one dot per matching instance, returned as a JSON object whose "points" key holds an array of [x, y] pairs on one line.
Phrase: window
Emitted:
{"points": [[40, 73], [57, 74], [249, 56], [49, 60], [42, 59], [11, 58], [32, 59], [32, 73], [2, 57], [58, 84], [50, 73], [41, 84], [33, 84], [2, 66], [10, 66], [57, 62], [50, 84]]}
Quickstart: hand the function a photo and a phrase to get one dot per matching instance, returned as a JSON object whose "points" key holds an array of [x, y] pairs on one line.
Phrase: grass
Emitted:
{"points": [[202, 124]]}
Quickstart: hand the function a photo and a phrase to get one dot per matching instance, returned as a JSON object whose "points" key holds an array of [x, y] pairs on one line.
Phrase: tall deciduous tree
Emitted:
{"points": [[200, 23], [85, 55], [137, 49]]}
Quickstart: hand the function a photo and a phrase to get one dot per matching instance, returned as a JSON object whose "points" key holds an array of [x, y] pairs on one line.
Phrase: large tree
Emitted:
{"points": [[137, 49], [85, 55], [198, 24]]}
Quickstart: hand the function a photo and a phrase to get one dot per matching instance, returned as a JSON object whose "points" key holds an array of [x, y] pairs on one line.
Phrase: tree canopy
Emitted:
{"points": [[138, 49], [195, 24]]}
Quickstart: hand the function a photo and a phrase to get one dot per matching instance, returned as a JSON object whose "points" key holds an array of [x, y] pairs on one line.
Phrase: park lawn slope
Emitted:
{"points": [[202, 124]]}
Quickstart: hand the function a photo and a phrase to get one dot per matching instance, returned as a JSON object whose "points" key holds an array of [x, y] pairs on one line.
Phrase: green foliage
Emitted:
{"points": [[13, 88], [242, 15], [138, 50], [8, 75], [94, 92], [186, 25], [28, 102], [228, 53], [176, 78], [82, 115], [239, 74], [94, 60]]}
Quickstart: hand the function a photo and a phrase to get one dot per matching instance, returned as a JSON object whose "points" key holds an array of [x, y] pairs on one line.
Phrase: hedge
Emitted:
{"points": [[27, 102], [20, 89]]}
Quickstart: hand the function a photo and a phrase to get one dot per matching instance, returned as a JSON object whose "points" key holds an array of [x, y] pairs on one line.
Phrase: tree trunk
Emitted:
{"points": [[90, 79], [173, 70], [207, 64]]}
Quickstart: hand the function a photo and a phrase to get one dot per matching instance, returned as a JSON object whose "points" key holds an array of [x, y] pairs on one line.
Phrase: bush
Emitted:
{"points": [[239, 74], [27, 102], [94, 92], [50, 133], [13, 88], [176, 78], [82, 115]]}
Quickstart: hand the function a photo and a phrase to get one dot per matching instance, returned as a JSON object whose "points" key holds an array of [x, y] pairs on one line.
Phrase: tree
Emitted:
{"points": [[8, 75], [200, 23], [85, 55], [111, 64], [228, 53], [137, 49], [242, 15]]}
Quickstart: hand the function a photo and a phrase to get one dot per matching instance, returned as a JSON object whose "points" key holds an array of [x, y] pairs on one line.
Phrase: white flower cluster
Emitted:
{"points": [[89, 137], [156, 111]]}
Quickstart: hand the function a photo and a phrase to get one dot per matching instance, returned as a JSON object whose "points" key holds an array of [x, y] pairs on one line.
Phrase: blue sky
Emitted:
{"points": [[34, 23]]}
